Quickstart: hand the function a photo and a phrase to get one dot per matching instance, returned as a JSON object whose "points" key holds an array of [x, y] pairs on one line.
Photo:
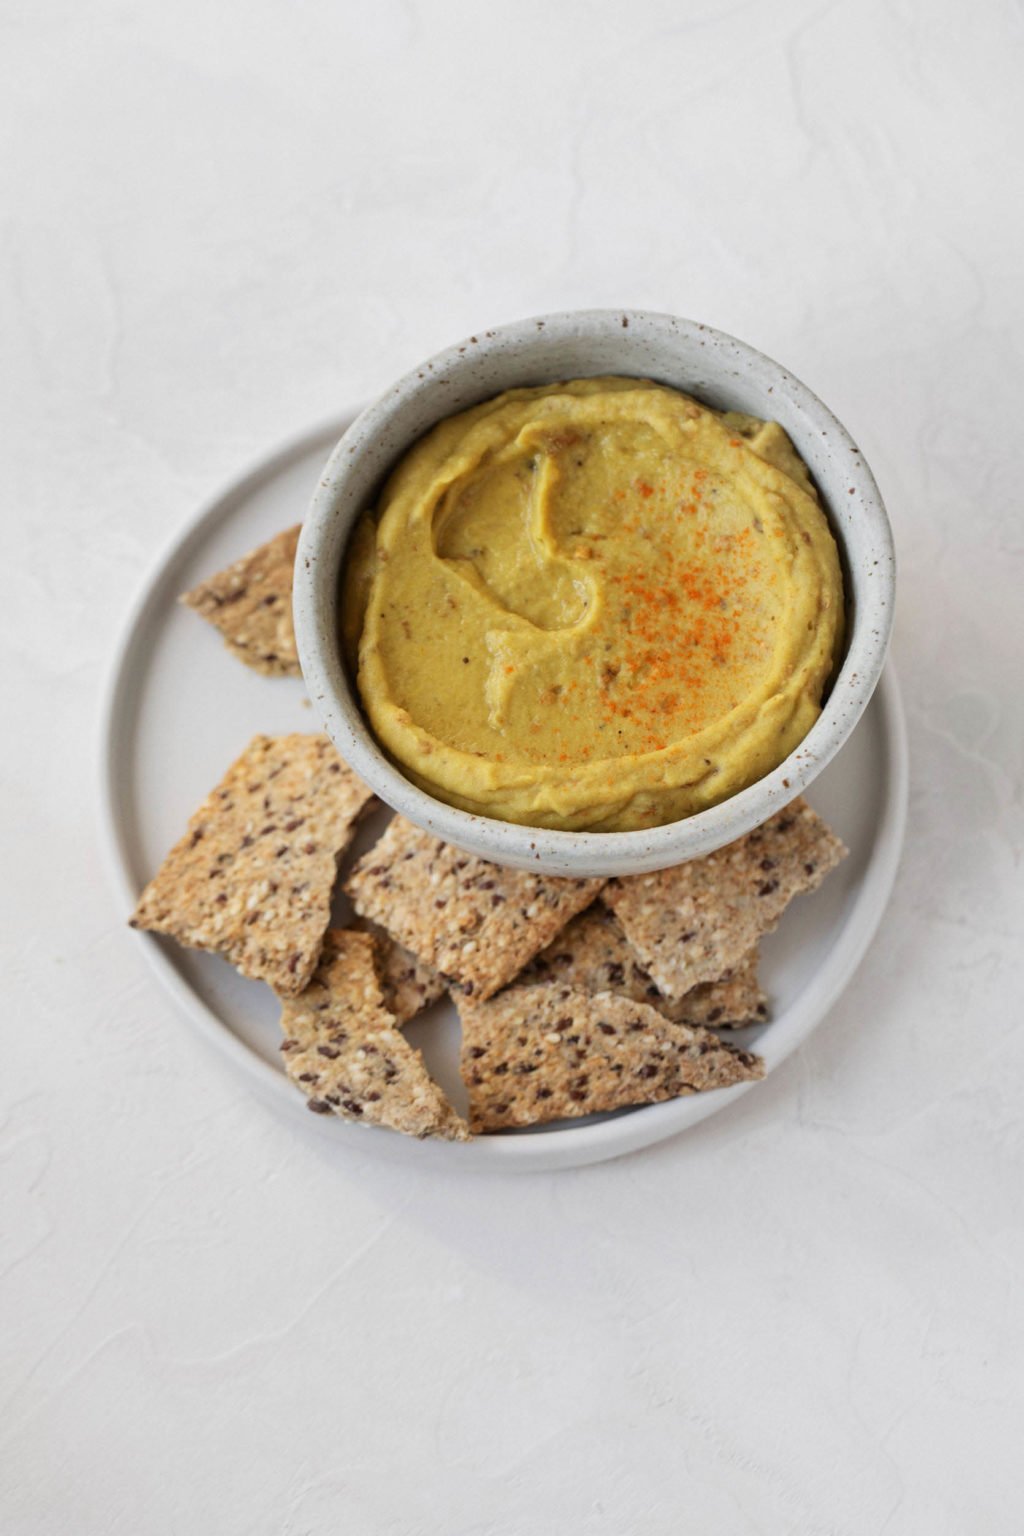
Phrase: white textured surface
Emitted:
{"points": [[224, 220]]}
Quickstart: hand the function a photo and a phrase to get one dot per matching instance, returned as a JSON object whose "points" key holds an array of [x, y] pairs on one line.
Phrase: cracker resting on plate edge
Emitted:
{"points": [[253, 875], [694, 922], [250, 603], [538, 1053]]}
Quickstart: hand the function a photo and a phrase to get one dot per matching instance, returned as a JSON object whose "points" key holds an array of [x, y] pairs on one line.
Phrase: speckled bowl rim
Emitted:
{"points": [[444, 384]]}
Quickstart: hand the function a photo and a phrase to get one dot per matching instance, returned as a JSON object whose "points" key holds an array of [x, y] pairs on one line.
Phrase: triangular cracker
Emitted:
{"points": [[593, 954], [409, 985], [344, 1051], [533, 1054], [692, 923], [250, 602], [476, 923], [253, 875]]}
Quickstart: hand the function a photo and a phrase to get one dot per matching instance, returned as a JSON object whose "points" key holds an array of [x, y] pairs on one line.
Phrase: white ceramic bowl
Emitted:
{"points": [[718, 370]]}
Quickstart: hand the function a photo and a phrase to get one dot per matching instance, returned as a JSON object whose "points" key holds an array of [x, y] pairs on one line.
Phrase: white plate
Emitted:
{"points": [[179, 708]]}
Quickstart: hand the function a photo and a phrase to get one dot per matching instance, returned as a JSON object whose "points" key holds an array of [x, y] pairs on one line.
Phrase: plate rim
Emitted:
{"points": [[569, 1146]]}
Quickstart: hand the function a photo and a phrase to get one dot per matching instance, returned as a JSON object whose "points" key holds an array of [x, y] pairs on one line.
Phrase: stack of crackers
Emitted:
{"points": [[575, 996]]}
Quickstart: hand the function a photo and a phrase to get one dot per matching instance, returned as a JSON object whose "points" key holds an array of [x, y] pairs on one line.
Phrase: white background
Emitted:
{"points": [[223, 221]]}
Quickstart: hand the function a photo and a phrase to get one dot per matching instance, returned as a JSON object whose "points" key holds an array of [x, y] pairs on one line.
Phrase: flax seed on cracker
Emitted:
{"points": [[343, 1049], [475, 923], [252, 877], [691, 923], [250, 603], [593, 954], [538, 1053]]}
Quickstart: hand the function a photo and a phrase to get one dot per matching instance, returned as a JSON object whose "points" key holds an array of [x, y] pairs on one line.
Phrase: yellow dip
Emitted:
{"points": [[595, 605]]}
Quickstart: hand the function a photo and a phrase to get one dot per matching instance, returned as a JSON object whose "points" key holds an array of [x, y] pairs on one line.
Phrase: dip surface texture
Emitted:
{"points": [[596, 605]]}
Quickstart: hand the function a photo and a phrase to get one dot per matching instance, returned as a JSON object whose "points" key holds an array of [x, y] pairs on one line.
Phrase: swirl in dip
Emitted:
{"points": [[594, 606]]}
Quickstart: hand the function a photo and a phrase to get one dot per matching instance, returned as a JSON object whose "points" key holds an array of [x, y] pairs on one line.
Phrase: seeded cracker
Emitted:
{"points": [[691, 923], [253, 875], [408, 984], [533, 1054], [251, 604], [592, 954], [344, 1051], [476, 923]]}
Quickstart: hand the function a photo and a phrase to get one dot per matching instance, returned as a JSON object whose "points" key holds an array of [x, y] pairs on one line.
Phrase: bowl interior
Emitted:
{"points": [[720, 371]]}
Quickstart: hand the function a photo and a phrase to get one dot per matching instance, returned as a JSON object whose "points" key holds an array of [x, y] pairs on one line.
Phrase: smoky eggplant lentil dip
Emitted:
{"points": [[597, 605]]}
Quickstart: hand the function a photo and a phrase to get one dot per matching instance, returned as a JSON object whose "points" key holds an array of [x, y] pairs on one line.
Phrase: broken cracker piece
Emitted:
{"points": [[253, 875], [250, 602], [691, 923], [733, 1001], [476, 923], [541, 1053], [409, 985], [593, 954], [343, 1049]]}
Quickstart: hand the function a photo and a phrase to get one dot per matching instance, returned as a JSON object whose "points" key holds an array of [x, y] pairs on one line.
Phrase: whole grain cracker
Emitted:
{"points": [[593, 954], [250, 602], [252, 877], [550, 1052], [476, 923], [409, 985], [691, 923], [343, 1049]]}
